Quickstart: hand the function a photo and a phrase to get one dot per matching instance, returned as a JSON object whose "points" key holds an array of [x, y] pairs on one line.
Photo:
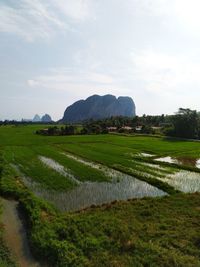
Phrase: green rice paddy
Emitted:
{"points": [[23, 148]]}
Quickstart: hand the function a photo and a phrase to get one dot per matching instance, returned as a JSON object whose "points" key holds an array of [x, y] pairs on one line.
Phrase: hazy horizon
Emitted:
{"points": [[55, 52]]}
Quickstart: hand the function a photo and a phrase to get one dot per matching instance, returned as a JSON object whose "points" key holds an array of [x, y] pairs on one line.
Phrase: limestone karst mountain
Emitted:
{"points": [[36, 118], [46, 118], [98, 107]]}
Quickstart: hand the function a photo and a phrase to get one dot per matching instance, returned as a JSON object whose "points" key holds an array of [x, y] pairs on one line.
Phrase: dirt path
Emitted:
{"points": [[15, 236]]}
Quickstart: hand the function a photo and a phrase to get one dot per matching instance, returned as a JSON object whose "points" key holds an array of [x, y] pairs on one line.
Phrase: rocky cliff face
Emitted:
{"points": [[98, 107]]}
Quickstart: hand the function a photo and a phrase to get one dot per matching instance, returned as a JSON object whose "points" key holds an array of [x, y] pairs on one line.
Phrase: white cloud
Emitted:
{"points": [[68, 80], [182, 15], [151, 7], [32, 83], [77, 84], [187, 14], [75, 9], [164, 74], [34, 19], [29, 19], [62, 78]]}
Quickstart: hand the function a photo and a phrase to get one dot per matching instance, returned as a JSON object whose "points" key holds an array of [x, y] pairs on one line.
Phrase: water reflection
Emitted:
{"points": [[88, 193], [121, 187], [185, 181]]}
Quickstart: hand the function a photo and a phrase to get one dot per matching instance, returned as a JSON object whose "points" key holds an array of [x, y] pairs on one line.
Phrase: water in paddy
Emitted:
{"points": [[146, 155], [121, 187], [185, 181], [187, 161], [94, 193]]}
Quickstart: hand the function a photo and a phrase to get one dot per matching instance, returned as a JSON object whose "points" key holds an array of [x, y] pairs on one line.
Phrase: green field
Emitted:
{"points": [[22, 148], [161, 231]]}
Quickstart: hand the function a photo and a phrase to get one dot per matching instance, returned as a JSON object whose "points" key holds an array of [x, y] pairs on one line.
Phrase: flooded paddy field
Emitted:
{"points": [[86, 194], [83, 169], [120, 186], [93, 193]]}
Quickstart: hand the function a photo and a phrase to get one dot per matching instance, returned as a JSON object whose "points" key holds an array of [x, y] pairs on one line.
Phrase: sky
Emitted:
{"points": [[55, 52]]}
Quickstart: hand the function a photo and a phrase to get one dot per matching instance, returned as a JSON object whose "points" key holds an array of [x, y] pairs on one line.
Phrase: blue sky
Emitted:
{"points": [[54, 52]]}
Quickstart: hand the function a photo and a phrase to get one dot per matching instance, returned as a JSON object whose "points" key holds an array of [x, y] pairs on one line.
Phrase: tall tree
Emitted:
{"points": [[185, 123]]}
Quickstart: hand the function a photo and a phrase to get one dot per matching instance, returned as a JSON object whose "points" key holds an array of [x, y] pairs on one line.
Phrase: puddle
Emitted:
{"points": [[146, 155], [15, 235], [59, 168], [185, 181], [198, 163], [167, 160], [181, 160]]}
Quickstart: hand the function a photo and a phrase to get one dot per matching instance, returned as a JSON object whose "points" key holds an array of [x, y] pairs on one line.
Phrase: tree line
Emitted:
{"points": [[183, 124]]}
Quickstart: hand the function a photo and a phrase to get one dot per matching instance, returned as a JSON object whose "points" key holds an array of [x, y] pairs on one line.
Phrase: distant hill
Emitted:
{"points": [[46, 118], [36, 118], [99, 107]]}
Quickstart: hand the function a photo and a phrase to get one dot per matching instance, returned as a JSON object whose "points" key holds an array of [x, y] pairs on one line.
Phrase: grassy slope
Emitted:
{"points": [[149, 232]]}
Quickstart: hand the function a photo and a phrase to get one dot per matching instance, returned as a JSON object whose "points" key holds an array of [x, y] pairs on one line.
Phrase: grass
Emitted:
{"points": [[24, 136], [157, 232]]}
